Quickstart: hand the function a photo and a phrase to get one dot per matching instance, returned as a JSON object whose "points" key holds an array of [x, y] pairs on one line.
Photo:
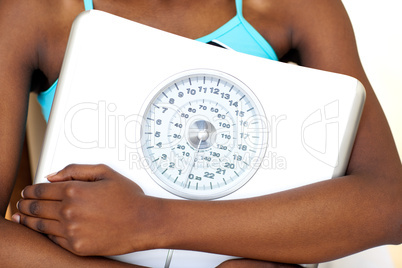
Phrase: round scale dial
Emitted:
{"points": [[203, 134]]}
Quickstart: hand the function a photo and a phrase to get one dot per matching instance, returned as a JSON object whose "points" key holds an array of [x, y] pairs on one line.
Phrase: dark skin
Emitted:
{"points": [[357, 211]]}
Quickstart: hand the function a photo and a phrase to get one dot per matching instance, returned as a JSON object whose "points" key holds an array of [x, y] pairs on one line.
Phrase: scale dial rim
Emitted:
{"points": [[182, 193]]}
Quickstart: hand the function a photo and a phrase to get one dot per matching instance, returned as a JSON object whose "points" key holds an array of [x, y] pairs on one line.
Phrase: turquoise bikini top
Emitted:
{"points": [[237, 34]]}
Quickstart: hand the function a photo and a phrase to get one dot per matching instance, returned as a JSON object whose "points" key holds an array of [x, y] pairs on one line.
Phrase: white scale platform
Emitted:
{"points": [[233, 125]]}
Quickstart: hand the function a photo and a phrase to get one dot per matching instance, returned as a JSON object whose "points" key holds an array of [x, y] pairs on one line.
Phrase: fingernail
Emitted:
{"points": [[50, 175], [17, 205], [22, 193], [16, 218]]}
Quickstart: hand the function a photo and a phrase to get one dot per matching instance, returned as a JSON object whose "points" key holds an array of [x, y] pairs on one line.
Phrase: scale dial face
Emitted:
{"points": [[203, 135]]}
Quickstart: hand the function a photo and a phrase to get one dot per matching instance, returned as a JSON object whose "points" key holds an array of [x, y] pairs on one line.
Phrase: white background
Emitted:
{"points": [[378, 30]]}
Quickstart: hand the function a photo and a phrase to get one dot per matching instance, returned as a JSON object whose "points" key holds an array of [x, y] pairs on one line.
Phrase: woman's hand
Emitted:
{"points": [[87, 210]]}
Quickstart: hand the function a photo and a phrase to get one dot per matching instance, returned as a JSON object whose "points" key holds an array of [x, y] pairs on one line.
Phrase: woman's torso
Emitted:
{"points": [[206, 21]]}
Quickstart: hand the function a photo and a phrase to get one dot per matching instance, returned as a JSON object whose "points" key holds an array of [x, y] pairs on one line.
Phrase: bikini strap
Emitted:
{"points": [[239, 7], [89, 5]]}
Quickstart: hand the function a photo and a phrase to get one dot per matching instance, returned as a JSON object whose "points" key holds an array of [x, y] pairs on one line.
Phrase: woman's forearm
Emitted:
{"points": [[308, 225], [22, 247]]}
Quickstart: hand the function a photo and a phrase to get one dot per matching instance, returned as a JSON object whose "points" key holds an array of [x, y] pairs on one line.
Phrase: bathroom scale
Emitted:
{"points": [[187, 120]]}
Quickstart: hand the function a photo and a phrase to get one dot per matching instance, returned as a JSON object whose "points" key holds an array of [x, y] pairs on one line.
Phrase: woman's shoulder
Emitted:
{"points": [[37, 31], [318, 31], [288, 23]]}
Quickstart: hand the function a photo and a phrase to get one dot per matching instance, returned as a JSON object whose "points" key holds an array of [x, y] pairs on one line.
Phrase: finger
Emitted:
{"points": [[81, 173], [48, 191], [44, 226], [39, 208]]}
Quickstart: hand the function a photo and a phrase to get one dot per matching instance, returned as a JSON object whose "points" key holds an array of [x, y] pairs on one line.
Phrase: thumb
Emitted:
{"points": [[80, 173]]}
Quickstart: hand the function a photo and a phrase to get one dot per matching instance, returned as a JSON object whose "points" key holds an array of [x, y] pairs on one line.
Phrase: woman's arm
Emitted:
{"points": [[310, 224], [19, 35], [22, 247], [15, 59]]}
